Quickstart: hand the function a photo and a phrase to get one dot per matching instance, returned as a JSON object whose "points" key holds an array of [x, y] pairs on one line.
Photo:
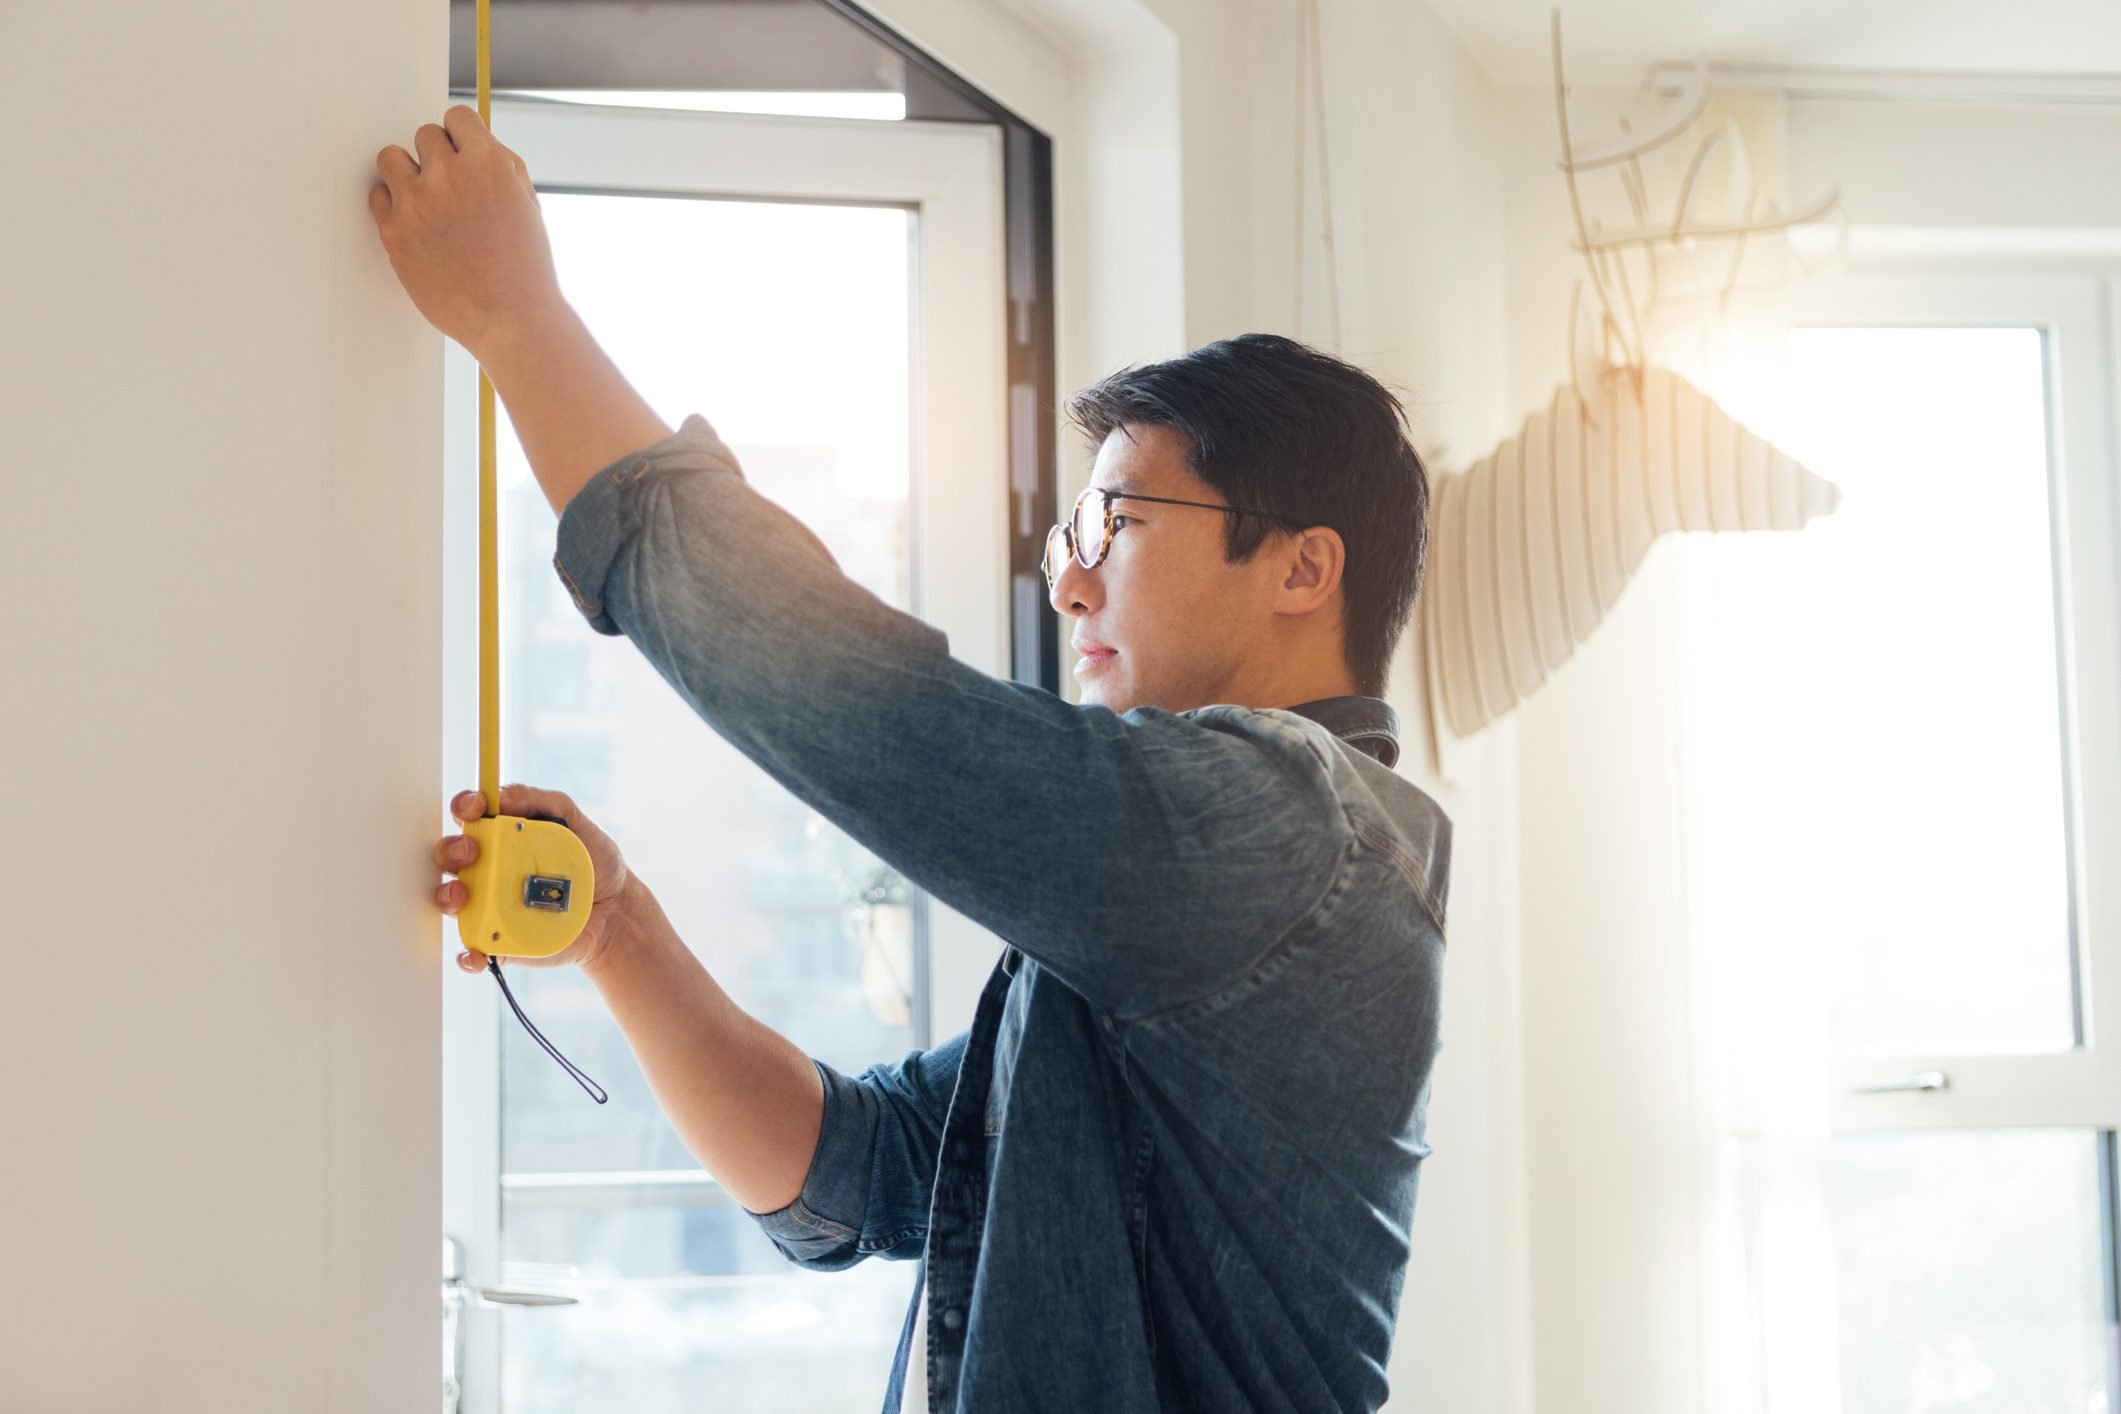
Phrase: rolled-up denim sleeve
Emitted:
{"points": [[873, 1172], [1145, 858]]}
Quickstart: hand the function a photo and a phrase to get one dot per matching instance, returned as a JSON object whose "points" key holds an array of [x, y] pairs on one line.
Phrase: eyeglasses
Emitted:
{"points": [[1090, 524]]}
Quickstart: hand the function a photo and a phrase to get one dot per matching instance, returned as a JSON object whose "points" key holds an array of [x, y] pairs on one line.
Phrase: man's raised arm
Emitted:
{"points": [[1091, 840]]}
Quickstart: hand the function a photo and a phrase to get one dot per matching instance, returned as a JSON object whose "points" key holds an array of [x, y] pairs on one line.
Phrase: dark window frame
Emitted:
{"points": [[937, 93], [933, 93]]}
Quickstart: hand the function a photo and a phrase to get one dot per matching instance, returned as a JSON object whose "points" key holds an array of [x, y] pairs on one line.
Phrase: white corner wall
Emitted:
{"points": [[219, 714]]}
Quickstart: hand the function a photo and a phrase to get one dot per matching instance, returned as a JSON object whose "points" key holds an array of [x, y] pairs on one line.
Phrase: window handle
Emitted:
{"points": [[457, 1296], [459, 1292], [1919, 1082], [462, 1292]]}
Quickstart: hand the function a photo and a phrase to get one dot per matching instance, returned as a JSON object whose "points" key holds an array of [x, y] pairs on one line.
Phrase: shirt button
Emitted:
{"points": [[953, 1318]]}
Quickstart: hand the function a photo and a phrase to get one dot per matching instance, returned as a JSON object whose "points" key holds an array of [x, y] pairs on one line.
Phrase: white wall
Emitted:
{"points": [[220, 712]]}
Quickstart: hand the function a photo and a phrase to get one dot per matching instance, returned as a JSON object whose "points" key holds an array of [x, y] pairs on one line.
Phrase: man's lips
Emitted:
{"points": [[1093, 653]]}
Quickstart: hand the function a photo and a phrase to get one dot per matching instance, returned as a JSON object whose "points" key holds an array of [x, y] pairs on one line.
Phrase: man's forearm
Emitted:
{"points": [[572, 409], [747, 1101]]}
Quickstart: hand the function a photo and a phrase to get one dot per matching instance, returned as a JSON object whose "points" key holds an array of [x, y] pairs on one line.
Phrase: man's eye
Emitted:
{"points": [[1121, 522]]}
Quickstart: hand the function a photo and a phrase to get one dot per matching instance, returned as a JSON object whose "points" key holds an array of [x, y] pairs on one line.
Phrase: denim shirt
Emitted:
{"points": [[1172, 1164]]}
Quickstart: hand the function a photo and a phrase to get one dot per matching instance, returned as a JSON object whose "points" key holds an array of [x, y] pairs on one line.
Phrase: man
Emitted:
{"points": [[1173, 1162]]}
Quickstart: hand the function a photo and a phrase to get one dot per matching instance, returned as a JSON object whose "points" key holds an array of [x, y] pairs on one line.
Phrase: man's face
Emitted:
{"points": [[1166, 620]]}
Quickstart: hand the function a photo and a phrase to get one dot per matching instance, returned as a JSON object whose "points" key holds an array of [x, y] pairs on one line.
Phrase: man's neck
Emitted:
{"points": [[1277, 694], [1289, 689]]}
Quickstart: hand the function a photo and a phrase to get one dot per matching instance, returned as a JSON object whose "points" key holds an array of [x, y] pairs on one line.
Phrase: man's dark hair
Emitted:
{"points": [[1274, 425]]}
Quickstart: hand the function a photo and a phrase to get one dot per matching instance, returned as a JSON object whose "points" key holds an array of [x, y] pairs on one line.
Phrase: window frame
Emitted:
{"points": [[1775, 1348], [950, 174], [2073, 312]]}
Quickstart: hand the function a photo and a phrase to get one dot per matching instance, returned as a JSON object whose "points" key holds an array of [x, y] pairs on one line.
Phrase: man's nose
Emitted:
{"points": [[1076, 591]]}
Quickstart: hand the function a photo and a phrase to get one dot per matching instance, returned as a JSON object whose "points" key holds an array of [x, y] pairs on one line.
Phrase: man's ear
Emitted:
{"points": [[1313, 560]]}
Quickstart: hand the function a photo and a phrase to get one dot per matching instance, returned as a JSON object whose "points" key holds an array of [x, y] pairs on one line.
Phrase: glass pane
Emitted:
{"points": [[1887, 692], [1969, 1273], [788, 327]]}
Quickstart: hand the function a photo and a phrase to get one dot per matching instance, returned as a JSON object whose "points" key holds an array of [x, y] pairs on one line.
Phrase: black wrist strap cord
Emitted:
{"points": [[596, 1091]]}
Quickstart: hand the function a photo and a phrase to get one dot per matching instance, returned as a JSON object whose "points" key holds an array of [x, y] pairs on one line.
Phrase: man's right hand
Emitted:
{"points": [[457, 852]]}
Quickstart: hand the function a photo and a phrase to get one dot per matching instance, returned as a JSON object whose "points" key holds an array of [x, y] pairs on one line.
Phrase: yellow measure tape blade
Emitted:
{"points": [[489, 516], [530, 890]]}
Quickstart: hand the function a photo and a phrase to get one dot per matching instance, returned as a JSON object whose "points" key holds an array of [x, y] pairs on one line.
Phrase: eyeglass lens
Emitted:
{"points": [[1056, 548], [1089, 527], [1086, 526]]}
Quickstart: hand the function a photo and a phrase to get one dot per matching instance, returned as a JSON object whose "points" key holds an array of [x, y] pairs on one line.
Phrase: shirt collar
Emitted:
{"points": [[1366, 723]]}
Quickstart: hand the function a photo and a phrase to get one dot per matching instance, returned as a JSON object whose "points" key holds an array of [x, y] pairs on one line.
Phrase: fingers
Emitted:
{"points": [[397, 169], [434, 145], [456, 853], [516, 800], [463, 126], [379, 202], [530, 800], [434, 141]]}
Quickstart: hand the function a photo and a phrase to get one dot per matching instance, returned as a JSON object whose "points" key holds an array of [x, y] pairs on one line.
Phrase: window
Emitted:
{"points": [[1906, 783], [831, 293]]}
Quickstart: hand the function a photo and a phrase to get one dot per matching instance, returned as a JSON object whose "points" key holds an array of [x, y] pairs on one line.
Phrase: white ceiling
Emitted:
{"points": [[1615, 41]]}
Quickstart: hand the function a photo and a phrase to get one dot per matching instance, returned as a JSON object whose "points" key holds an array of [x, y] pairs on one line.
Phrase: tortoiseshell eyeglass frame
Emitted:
{"points": [[1072, 544]]}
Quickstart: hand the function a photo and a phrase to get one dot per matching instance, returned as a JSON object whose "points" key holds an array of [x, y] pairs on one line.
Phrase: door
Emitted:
{"points": [[829, 294]]}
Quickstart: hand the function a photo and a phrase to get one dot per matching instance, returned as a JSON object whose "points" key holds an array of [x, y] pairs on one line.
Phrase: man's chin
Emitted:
{"points": [[1102, 694]]}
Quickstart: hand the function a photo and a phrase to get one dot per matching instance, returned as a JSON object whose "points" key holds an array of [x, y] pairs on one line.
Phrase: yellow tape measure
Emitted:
{"points": [[530, 890]]}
